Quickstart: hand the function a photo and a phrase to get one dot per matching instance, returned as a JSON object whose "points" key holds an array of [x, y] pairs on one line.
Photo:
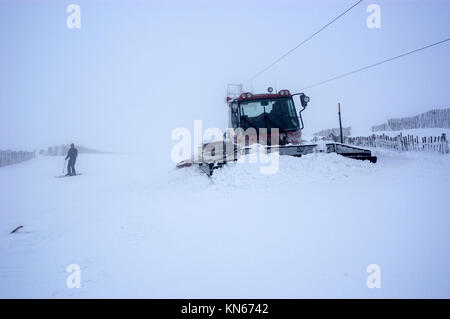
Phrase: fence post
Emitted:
{"points": [[444, 142], [400, 142]]}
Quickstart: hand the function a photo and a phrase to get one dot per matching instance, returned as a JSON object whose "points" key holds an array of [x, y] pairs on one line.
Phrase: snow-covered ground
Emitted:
{"points": [[309, 230]]}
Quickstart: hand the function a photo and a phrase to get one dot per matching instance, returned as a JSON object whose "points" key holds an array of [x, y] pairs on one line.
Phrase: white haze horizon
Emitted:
{"points": [[137, 70]]}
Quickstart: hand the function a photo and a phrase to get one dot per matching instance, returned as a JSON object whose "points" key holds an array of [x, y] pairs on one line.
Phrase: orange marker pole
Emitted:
{"points": [[340, 123]]}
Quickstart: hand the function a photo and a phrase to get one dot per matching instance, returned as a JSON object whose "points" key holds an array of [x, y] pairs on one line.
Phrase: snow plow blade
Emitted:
{"points": [[208, 164], [351, 152], [341, 149]]}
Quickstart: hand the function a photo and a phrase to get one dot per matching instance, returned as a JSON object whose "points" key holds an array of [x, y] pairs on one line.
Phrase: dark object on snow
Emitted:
{"points": [[72, 156], [16, 229]]}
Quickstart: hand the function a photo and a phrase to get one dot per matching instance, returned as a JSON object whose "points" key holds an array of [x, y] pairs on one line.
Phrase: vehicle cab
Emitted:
{"points": [[268, 111]]}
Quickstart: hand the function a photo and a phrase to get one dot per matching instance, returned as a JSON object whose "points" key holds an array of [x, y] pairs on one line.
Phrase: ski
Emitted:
{"points": [[61, 176]]}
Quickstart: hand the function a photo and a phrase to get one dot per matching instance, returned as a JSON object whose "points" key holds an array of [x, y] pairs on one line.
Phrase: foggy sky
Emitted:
{"points": [[138, 69]]}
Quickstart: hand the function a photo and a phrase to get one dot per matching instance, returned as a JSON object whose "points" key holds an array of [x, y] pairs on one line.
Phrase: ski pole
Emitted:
{"points": [[64, 165]]}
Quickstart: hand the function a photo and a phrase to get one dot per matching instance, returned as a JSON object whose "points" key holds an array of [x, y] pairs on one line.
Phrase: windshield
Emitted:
{"points": [[270, 113]]}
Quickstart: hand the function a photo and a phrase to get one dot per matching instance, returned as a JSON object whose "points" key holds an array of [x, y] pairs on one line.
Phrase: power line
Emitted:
{"points": [[373, 65], [303, 42]]}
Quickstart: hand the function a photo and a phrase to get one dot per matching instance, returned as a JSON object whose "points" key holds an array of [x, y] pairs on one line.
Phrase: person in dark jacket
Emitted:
{"points": [[72, 156]]}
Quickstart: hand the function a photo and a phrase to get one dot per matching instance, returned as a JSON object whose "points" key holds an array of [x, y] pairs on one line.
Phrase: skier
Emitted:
{"points": [[72, 156]]}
